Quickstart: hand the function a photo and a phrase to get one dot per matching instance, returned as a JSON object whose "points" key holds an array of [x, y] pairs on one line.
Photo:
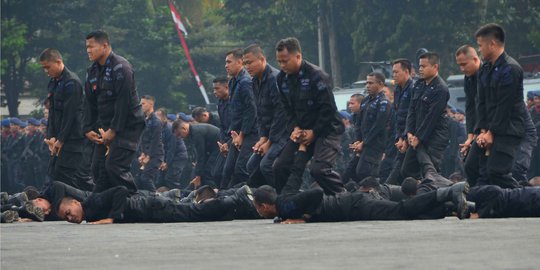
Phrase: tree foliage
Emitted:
{"points": [[143, 32]]}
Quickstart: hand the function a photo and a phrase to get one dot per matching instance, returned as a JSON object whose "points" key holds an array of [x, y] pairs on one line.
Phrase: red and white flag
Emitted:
{"points": [[181, 29]]}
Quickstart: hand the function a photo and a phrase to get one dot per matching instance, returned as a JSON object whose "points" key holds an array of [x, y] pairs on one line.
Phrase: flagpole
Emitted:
{"points": [[181, 31]]}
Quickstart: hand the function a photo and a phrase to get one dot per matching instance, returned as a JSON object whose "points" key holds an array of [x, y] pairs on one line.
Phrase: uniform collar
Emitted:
{"points": [[107, 62], [240, 74], [266, 72]]}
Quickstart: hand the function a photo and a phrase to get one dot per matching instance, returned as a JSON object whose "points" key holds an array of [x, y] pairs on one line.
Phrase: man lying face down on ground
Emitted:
{"points": [[115, 205], [314, 206]]}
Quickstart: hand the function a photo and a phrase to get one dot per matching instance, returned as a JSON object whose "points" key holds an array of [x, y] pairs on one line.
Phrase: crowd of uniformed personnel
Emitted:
{"points": [[278, 146]]}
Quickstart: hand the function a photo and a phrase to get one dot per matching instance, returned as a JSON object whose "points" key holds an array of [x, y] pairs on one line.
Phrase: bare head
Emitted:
{"points": [[289, 55], [98, 46], [467, 60], [490, 40], [52, 63]]}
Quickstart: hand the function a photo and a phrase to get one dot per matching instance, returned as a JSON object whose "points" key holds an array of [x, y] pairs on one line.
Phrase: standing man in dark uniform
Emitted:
{"points": [[427, 123], [401, 72], [470, 64], [175, 155], [270, 114], [355, 103], [374, 116], [243, 127], [64, 130], [4, 184], [313, 119], [203, 137], [221, 91], [500, 108], [150, 148], [112, 106]]}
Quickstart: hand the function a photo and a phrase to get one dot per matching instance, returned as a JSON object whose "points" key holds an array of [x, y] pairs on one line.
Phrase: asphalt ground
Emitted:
{"points": [[259, 244]]}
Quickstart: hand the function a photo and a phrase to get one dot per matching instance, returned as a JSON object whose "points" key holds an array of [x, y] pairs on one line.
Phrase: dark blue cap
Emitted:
{"points": [[15, 121], [33, 122], [345, 115], [23, 124], [185, 117], [460, 111], [171, 116], [5, 122], [44, 121]]}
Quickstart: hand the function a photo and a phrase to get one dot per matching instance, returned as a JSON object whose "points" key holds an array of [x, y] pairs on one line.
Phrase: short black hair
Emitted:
{"points": [[433, 58], [409, 186], [220, 80], [176, 124], [359, 97], [265, 194], [491, 30], [291, 44], [404, 63], [378, 75], [254, 49], [236, 53], [149, 97], [198, 112], [163, 111], [50, 54], [99, 35], [465, 50]]}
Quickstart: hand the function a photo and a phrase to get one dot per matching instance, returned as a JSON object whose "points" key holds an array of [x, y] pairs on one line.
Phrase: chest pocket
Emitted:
{"points": [[59, 98], [107, 89]]}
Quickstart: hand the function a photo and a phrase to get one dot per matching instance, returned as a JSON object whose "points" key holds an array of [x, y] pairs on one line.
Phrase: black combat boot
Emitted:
{"points": [[456, 194]]}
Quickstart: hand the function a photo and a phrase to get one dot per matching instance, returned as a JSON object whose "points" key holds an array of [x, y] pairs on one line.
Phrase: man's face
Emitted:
{"points": [[289, 62], [147, 105], [53, 69], [71, 211], [459, 116], [399, 74], [388, 93], [354, 105], [254, 64], [182, 131], [233, 65], [373, 85], [536, 101], [31, 128], [221, 91], [467, 64], [15, 128], [95, 50], [161, 116], [43, 128], [203, 118], [265, 210], [43, 204], [427, 70], [486, 47]]}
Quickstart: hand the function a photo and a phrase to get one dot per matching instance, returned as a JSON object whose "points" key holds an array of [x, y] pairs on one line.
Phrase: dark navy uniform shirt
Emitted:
{"points": [[112, 99], [65, 114], [309, 102]]}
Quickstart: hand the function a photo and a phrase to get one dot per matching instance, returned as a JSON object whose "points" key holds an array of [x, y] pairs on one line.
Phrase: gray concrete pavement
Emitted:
{"points": [[259, 244]]}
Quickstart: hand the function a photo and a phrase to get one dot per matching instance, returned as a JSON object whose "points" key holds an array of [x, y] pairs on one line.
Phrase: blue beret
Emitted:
{"points": [[44, 121], [171, 116], [345, 115], [185, 117], [5, 122], [15, 121], [460, 111], [23, 124], [530, 95], [33, 122]]}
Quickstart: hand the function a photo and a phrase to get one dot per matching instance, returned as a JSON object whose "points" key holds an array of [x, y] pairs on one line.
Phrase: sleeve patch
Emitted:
{"points": [[117, 67]]}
